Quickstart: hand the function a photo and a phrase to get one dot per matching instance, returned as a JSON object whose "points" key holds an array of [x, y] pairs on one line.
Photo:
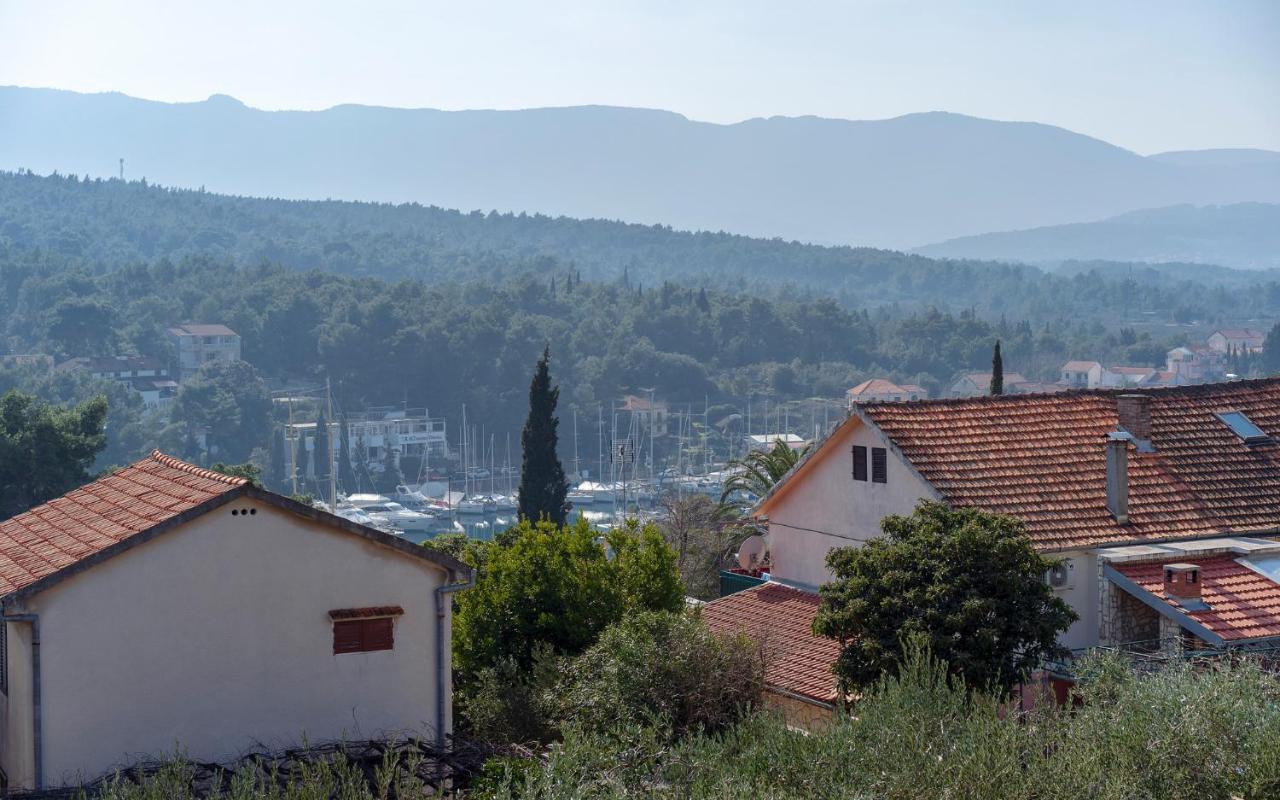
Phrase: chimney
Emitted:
{"points": [[1118, 476], [1134, 411], [1182, 581]]}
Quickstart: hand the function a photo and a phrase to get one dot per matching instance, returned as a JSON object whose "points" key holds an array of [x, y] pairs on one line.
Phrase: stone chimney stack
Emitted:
{"points": [[1118, 476], [1134, 411], [1182, 581]]}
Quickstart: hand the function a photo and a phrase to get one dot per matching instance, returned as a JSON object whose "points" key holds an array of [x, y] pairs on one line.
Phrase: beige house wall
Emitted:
{"points": [[826, 508], [801, 714], [215, 637]]}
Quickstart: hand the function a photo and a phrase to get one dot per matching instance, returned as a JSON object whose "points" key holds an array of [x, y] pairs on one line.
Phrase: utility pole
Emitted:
{"points": [[333, 478], [293, 445]]}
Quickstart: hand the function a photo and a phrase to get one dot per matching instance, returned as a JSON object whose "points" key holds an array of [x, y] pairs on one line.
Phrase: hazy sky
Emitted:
{"points": [[1149, 76]]}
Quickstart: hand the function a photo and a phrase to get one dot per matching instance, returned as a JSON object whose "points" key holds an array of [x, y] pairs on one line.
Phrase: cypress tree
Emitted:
{"points": [[543, 488], [997, 371], [346, 475], [276, 468]]}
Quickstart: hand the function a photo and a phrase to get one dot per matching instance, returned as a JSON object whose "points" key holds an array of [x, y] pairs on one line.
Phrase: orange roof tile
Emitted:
{"points": [[780, 619], [88, 520], [1243, 604], [1041, 458]]}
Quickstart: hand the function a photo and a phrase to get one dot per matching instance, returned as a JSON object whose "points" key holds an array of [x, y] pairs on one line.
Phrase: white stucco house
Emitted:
{"points": [[1130, 489], [168, 606]]}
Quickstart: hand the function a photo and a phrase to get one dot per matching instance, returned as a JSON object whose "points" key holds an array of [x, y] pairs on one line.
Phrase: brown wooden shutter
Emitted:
{"points": [[859, 463], [347, 636], [879, 465], [378, 633]]}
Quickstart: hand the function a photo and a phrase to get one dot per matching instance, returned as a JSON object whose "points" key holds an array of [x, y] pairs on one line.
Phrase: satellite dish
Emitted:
{"points": [[751, 552]]}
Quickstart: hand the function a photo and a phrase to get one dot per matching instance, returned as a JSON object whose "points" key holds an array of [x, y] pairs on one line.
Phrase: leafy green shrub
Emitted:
{"points": [[1195, 732], [664, 669], [504, 703], [558, 587]]}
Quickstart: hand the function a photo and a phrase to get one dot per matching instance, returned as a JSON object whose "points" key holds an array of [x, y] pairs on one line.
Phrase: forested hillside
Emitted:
{"points": [[106, 224], [426, 307]]}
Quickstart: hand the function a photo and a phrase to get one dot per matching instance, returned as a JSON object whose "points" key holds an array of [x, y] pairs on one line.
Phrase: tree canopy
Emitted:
{"points": [[45, 450], [969, 584]]}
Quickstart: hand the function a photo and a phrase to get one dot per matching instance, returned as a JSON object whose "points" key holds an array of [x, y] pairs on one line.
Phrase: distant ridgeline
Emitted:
{"points": [[106, 224]]}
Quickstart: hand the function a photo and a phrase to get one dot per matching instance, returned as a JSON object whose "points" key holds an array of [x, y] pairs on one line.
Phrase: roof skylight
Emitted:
{"points": [[1243, 427]]}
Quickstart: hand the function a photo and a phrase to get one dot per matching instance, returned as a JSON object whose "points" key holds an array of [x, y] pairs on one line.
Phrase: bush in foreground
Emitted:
{"points": [[1210, 733]]}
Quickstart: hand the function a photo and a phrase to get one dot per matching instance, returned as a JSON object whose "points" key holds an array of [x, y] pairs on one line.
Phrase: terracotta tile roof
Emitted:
{"points": [[88, 520], [1080, 366], [1041, 458], [876, 386], [1243, 604], [203, 330], [780, 619]]}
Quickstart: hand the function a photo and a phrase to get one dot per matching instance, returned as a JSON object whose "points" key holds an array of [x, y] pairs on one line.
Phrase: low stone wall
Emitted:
{"points": [[800, 714]]}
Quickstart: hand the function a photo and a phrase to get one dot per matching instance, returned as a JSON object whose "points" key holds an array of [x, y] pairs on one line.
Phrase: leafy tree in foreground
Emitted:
{"points": [[969, 584], [661, 667], [45, 451], [557, 587], [997, 371], [543, 488]]}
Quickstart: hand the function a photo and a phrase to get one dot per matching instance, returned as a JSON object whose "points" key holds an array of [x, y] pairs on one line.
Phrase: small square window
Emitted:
{"points": [[879, 465], [363, 635]]}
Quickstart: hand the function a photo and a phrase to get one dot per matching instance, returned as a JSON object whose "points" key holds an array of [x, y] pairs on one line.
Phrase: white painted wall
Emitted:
{"points": [[216, 635], [827, 498], [1083, 596]]}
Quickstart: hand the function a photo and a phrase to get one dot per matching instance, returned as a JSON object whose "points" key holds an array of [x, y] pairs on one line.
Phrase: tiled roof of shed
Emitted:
{"points": [[780, 619], [1041, 458], [1243, 604], [88, 520]]}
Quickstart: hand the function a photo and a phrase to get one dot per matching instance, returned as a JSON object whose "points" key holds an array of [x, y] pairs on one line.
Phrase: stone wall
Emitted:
{"points": [[1124, 618], [799, 714]]}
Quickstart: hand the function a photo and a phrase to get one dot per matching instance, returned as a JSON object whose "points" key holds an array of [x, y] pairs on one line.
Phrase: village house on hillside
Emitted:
{"points": [[879, 390], [1164, 505], [166, 605], [1238, 340], [978, 384], [198, 345], [148, 377]]}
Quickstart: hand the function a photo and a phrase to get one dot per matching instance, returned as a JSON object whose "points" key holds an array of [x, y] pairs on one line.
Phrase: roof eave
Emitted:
{"points": [[450, 565]]}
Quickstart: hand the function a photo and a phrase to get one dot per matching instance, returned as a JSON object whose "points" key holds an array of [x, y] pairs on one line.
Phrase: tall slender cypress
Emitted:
{"points": [[346, 475], [320, 455], [543, 488], [997, 371]]}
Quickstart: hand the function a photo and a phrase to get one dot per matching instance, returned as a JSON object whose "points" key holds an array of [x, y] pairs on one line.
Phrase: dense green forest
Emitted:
{"points": [[108, 224], [425, 307]]}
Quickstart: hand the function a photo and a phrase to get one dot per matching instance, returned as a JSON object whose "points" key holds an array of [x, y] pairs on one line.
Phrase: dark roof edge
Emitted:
{"points": [[443, 560]]}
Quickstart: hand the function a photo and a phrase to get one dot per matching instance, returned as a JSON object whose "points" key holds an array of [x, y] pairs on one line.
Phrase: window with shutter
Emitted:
{"points": [[879, 465], [363, 635], [859, 463]]}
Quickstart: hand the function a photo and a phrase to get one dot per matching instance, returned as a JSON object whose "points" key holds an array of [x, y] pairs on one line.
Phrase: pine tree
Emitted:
{"points": [[997, 371], [543, 488], [320, 453], [277, 474], [703, 305], [346, 475]]}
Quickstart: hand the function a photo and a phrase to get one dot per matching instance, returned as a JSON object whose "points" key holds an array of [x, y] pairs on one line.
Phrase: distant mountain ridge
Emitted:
{"points": [[897, 183], [1243, 235]]}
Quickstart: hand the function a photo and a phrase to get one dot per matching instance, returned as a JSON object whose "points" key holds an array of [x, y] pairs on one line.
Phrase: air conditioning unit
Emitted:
{"points": [[1061, 576]]}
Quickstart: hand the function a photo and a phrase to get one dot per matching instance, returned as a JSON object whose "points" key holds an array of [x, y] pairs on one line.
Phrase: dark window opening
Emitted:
{"points": [[859, 463], [363, 635], [879, 465]]}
